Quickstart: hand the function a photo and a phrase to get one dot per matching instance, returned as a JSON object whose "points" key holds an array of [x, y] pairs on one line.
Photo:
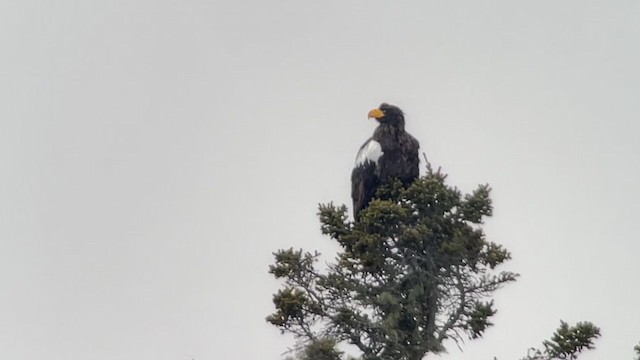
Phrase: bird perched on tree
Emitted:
{"points": [[390, 153]]}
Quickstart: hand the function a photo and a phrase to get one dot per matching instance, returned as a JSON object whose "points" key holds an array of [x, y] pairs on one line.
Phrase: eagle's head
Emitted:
{"points": [[388, 114]]}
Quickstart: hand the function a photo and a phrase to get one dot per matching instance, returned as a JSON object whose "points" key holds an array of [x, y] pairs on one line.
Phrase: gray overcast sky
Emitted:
{"points": [[154, 153]]}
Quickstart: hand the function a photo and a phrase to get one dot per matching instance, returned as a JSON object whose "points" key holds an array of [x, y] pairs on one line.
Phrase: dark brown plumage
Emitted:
{"points": [[390, 153]]}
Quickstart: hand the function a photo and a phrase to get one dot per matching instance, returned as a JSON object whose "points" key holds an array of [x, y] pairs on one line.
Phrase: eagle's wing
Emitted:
{"points": [[413, 159], [365, 175]]}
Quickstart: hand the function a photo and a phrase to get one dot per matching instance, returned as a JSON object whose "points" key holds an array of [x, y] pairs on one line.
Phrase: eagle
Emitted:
{"points": [[390, 153]]}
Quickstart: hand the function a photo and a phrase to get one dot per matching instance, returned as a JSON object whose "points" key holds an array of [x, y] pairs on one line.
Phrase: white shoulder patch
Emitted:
{"points": [[370, 151]]}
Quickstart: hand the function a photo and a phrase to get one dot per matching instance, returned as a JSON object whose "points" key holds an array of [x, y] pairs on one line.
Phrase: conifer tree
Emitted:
{"points": [[567, 342], [414, 271]]}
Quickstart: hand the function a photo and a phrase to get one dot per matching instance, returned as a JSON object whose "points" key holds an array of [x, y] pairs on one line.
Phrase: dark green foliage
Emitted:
{"points": [[568, 341], [323, 349], [414, 271], [637, 350], [479, 318], [320, 349]]}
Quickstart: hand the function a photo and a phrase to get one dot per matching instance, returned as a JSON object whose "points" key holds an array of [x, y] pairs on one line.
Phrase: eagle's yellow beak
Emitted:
{"points": [[375, 113]]}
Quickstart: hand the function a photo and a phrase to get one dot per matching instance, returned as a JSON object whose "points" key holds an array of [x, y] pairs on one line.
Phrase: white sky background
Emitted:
{"points": [[154, 153]]}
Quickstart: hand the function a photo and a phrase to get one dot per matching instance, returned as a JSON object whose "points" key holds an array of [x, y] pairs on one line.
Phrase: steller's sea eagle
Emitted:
{"points": [[390, 153]]}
